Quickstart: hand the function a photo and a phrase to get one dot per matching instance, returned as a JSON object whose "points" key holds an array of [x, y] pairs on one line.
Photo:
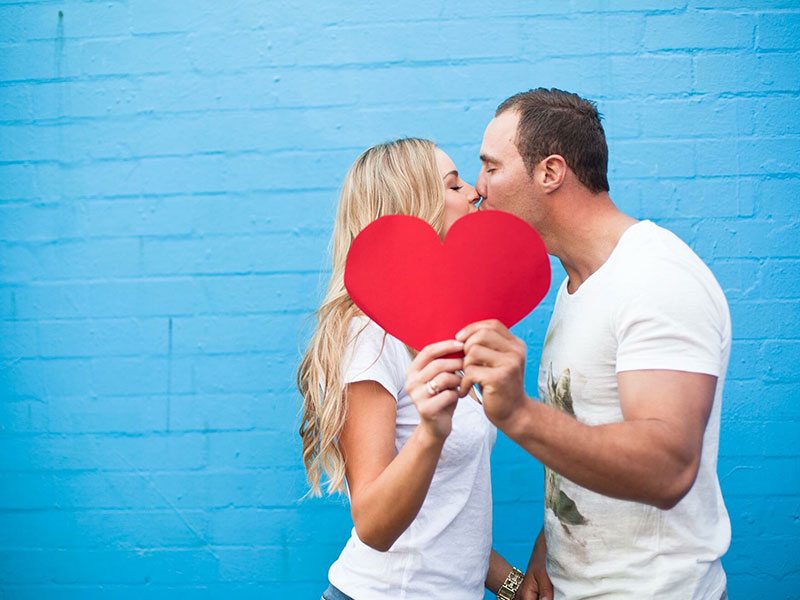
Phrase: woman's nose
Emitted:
{"points": [[473, 196]]}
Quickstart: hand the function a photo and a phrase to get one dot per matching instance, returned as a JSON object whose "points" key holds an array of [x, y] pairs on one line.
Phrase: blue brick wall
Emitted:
{"points": [[168, 176]]}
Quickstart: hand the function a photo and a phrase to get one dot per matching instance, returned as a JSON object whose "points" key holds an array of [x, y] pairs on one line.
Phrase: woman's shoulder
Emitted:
{"points": [[371, 353], [364, 333]]}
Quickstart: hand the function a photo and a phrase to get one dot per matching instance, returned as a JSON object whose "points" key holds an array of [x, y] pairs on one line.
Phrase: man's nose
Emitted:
{"points": [[480, 185]]}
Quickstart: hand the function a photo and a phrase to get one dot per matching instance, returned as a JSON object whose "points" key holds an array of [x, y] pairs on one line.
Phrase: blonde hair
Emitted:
{"points": [[399, 177]]}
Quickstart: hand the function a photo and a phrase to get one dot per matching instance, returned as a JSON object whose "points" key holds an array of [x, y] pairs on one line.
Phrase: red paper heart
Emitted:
{"points": [[492, 265]]}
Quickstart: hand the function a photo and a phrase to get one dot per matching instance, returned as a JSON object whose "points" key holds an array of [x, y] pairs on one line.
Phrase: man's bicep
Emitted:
{"points": [[679, 399]]}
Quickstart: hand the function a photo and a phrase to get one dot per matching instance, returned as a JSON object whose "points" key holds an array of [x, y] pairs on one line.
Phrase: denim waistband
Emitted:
{"points": [[333, 593]]}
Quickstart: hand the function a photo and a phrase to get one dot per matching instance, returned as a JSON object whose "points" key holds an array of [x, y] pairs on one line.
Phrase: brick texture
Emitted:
{"points": [[168, 179]]}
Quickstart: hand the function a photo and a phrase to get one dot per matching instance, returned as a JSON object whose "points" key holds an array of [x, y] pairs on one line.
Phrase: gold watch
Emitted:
{"points": [[510, 586]]}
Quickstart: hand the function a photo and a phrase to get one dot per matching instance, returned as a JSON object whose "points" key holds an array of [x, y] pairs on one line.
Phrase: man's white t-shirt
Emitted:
{"points": [[444, 553], [652, 305]]}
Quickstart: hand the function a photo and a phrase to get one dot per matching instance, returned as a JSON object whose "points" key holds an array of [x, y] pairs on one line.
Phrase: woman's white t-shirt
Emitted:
{"points": [[444, 553]]}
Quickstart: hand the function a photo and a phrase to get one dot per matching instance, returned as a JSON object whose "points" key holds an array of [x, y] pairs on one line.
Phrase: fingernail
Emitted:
{"points": [[458, 344], [460, 335]]}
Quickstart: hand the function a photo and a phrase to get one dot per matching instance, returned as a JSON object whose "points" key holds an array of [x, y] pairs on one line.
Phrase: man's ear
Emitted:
{"points": [[553, 171]]}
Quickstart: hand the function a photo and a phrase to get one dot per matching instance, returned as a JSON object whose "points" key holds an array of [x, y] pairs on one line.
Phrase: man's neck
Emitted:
{"points": [[588, 237]]}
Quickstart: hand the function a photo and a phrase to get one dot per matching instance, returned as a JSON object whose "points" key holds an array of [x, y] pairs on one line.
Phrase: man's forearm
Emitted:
{"points": [[632, 460]]}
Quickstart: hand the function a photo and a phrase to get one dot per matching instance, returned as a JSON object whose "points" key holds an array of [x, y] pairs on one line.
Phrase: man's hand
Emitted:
{"points": [[495, 359], [537, 584]]}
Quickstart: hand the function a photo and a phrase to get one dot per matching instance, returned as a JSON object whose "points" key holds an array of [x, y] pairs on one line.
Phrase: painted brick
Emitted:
{"points": [[733, 4], [778, 31], [589, 37], [106, 414], [748, 239], [168, 181], [648, 159], [782, 324], [252, 449], [780, 278], [754, 156], [737, 277], [101, 529], [777, 197], [628, 5], [263, 254], [220, 412], [774, 116], [738, 73], [699, 31], [26, 453], [703, 117], [40, 21], [697, 197], [70, 260], [782, 360]]}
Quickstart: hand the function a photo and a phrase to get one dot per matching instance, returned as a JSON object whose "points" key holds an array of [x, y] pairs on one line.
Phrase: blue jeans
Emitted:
{"points": [[333, 593]]}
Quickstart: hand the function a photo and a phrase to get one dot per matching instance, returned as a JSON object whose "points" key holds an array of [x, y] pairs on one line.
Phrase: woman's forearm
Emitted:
{"points": [[383, 509], [499, 569]]}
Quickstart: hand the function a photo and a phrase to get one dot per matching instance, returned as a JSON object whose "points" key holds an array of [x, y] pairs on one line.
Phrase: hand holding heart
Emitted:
{"points": [[434, 370], [494, 358], [492, 265]]}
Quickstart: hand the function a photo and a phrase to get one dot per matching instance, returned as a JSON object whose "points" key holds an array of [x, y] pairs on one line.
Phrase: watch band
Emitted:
{"points": [[510, 586]]}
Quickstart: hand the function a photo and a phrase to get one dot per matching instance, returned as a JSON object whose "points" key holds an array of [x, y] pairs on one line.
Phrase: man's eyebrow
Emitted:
{"points": [[486, 158]]}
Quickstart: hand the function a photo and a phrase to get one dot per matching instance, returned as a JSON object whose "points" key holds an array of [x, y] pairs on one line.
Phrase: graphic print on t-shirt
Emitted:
{"points": [[559, 396]]}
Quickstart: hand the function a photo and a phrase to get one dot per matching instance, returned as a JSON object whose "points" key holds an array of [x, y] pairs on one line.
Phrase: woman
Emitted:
{"points": [[414, 456]]}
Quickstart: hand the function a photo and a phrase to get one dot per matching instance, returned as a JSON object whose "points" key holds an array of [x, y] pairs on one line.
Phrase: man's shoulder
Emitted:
{"points": [[656, 258]]}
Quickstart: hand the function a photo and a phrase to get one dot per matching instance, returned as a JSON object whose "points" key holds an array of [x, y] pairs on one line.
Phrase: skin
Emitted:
{"points": [[653, 455], [460, 197], [387, 489]]}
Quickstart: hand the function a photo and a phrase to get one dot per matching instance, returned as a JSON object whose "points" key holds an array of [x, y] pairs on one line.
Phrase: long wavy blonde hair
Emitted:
{"points": [[399, 177]]}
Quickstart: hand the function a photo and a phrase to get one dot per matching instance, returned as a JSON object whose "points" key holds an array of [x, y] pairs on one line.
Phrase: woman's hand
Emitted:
{"points": [[433, 384]]}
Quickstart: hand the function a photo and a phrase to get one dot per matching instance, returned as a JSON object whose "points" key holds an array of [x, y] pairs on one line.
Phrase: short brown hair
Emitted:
{"points": [[558, 122]]}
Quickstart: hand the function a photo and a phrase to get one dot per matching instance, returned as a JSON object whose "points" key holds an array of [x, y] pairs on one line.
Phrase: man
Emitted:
{"points": [[631, 373]]}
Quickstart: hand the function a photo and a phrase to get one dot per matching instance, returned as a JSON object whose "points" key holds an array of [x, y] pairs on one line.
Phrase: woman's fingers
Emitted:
{"points": [[434, 405], [437, 368], [436, 350], [443, 381]]}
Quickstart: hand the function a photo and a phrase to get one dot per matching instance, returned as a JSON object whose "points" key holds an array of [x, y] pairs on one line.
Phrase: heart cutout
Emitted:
{"points": [[492, 265]]}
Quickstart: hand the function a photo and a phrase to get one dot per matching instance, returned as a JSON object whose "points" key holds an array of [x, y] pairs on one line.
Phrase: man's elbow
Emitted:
{"points": [[675, 489]]}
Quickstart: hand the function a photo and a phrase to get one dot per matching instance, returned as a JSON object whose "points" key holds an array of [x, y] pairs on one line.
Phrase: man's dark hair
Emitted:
{"points": [[558, 122]]}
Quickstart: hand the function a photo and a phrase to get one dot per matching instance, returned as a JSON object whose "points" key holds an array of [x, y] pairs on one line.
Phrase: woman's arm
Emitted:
{"points": [[499, 569], [387, 491]]}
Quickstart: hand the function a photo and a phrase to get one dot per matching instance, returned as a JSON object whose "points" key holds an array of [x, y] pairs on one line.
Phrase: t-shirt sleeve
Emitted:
{"points": [[371, 355], [670, 321]]}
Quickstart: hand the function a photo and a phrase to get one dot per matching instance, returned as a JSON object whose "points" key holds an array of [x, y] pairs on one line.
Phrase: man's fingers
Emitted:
{"points": [[544, 584], [529, 590], [483, 356], [488, 338], [490, 324], [472, 376]]}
